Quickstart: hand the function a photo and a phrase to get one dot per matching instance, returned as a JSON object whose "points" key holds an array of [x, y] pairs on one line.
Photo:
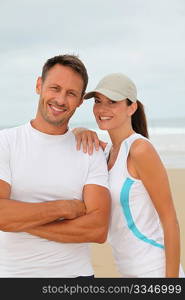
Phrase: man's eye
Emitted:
{"points": [[72, 94], [113, 102], [96, 101], [55, 88]]}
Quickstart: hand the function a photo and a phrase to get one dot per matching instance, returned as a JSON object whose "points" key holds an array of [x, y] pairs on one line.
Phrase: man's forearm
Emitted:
{"points": [[88, 228], [20, 216]]}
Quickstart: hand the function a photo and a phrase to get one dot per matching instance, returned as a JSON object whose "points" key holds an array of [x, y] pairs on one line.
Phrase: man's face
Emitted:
{"points": [[60, 95]]}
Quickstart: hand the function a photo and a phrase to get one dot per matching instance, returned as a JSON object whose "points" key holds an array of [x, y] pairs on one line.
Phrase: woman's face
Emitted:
{"points": [[111, 114]]}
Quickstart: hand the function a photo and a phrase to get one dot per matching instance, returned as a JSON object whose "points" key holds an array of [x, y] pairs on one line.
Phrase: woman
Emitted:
{"points": [[144, 231]]}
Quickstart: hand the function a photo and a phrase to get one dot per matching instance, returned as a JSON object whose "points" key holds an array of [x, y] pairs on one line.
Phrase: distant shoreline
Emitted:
{"points": [[152, 123]]}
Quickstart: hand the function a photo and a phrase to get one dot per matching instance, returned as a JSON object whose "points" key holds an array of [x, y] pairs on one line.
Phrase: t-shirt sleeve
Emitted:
{"points": [[98, 172], [5, 173]]}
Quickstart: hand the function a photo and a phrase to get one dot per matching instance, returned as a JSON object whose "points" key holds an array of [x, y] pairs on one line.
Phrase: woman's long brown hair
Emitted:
{"points": [[139, 122]]}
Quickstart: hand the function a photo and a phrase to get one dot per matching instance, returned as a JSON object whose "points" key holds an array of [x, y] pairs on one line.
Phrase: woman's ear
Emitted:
{"points": [[132, 109]]}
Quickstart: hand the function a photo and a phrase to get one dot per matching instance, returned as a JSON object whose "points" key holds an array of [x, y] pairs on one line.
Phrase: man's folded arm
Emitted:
{"points": [[19, 216], [92, 227]]}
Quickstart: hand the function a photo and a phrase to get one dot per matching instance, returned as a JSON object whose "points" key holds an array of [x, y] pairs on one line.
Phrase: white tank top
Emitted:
{"points": [[135, 234]]}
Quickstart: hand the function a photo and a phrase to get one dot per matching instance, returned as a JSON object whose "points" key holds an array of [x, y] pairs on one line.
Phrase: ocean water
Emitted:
{"points": [[167, 136]]}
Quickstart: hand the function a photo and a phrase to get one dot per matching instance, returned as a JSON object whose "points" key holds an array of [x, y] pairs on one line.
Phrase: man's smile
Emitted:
{"points": [[57, 110]]}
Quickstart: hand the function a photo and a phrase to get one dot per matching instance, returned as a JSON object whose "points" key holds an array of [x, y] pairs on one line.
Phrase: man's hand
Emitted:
{"points": [[18, 216], [90, 228], [74, 209]]}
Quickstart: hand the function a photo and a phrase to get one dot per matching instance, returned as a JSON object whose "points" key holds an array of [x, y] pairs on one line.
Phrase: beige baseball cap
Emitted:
{"points": [[115, 86]]}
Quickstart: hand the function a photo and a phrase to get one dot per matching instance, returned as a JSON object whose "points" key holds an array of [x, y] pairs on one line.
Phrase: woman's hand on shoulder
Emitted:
{"points": [[88, 139]]}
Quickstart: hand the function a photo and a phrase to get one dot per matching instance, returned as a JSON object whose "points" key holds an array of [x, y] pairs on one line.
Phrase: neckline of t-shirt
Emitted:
{"points": [[120, 149], [45, 135]]}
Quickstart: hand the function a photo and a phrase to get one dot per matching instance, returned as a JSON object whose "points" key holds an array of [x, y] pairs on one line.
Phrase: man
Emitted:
{"points": [[43, 180]]}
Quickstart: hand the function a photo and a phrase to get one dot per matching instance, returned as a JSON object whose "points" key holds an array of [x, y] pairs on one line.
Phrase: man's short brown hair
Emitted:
{"points": [[71, 61]]}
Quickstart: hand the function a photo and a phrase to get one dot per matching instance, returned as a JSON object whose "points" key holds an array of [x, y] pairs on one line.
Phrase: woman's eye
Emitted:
{"points": [[96, 101], [113, 102]]}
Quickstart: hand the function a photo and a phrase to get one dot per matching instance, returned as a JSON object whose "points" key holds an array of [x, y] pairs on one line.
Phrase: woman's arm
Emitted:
{"points": [[88, 139], [151, 171]]}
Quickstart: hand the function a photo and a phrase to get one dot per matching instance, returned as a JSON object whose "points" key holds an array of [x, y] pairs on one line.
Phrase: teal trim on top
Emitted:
{"points": [[124, 199]]}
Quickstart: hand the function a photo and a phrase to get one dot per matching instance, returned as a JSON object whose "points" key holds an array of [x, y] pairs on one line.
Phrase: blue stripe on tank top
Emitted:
{"points": [[124, 199]]}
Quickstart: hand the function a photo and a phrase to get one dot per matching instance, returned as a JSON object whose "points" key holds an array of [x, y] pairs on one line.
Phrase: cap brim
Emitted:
{"points": [[109, 94]]}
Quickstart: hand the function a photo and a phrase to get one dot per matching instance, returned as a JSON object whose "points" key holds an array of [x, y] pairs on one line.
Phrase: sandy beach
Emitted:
{"points": [[101, 253]]}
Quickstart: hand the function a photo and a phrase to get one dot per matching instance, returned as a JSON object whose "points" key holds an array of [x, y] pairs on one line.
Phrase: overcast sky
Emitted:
{"points": [[145, 39]]}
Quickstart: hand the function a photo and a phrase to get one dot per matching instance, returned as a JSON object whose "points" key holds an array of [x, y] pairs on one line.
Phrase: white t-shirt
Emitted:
{"points": [[41, 167]]}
